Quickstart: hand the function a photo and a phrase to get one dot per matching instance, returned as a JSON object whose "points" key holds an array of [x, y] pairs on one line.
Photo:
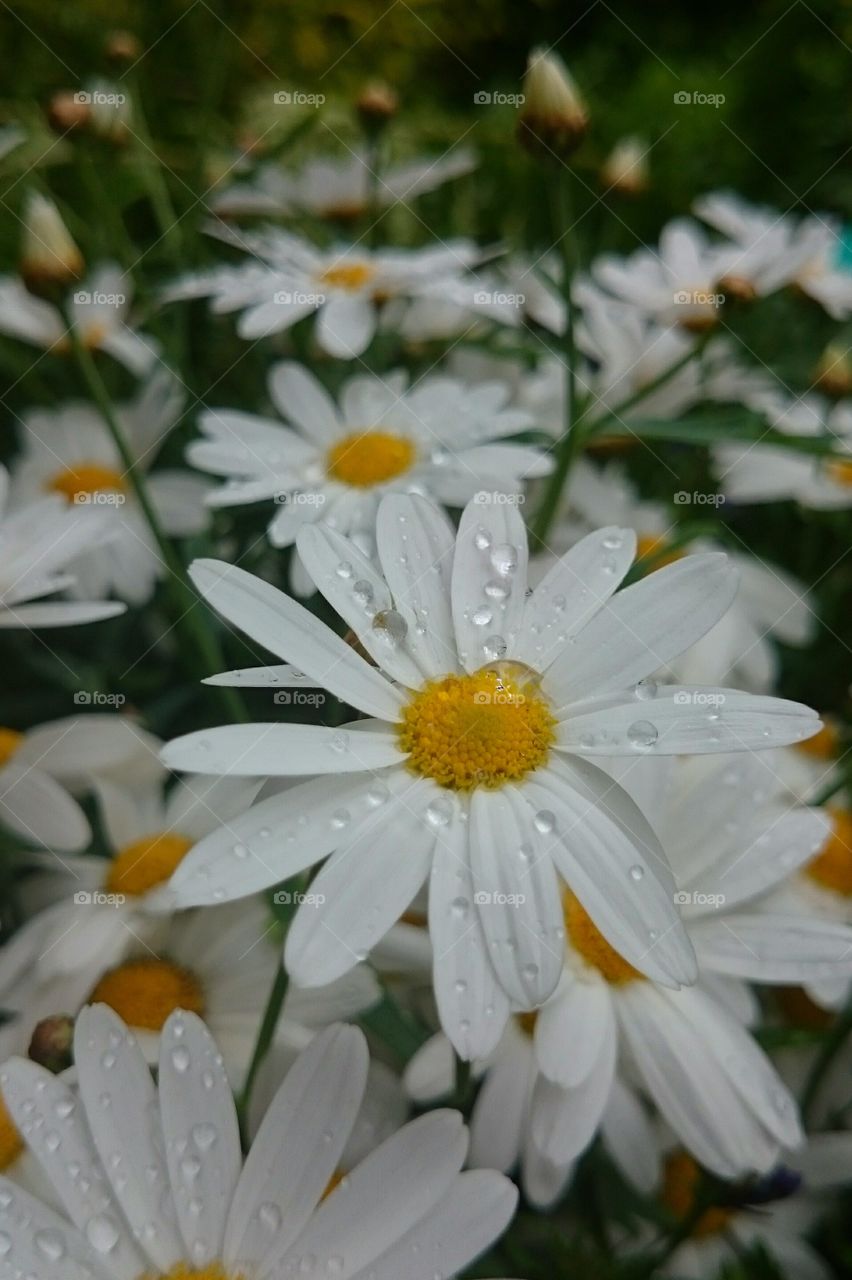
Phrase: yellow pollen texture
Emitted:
{"points": [[145, 992], [146, 863], [367, 458], [348, 275], [587, 938], [10, 740], [832, 867], [183, 1271], [85, 478], [473, 731], [840, 471], [651, 546], [11, 1144], [680, 1186]]}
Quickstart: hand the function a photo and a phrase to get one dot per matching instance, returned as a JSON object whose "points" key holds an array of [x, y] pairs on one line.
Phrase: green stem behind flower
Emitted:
{"points": [[271, 1014]]}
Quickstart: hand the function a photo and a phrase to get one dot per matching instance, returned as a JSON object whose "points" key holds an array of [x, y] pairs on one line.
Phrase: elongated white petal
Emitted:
{"points": [[501, 1110], [564, 1121], [765, 947], [570, 1030], [302, 399], [40, 810], [489, 582], [281, 750], [27, 1225], [283, 676], [289, 630]]}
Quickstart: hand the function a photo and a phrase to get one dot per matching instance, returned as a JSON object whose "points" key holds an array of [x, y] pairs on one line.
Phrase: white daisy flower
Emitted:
{"points": [[41, 770], [340, 187], [152, 1181], [70, 452], [345, 285], [335, 463], [96, 909], [806, 252], [489, 709], [770, 605], [38, 543], [98, 311], [771, 473]]}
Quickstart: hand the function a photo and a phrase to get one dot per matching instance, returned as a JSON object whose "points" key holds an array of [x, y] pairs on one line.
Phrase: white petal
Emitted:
{"points": [[200, 1132], [61, 614], [570, 1030], [489, 582], [517, 895], [630, 1138], [41, 810], [345, 325], [297, 1148], [765, 947], [564, 1121], [415, 545], [644, 627], [502, 1107], [611, 859], [301, 398], [290, 631], [571, 593], [27, 1225], [121, 1108], [363, 888], [281, 750]]}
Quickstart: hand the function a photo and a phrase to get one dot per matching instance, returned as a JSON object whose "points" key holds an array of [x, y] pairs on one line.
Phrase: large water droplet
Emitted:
{"points": [[481, 617], [637, 872], [102, 1233], [545, 822], [645, 690], [204, 1136], [439, 812], [494, 648], [390, 627], [642, 735], [180, 1059], [504, 558]]}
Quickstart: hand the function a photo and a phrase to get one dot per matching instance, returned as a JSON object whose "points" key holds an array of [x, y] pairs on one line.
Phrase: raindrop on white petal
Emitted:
{"points": [[642, 735], [645, 690], [504, 558], [390, 627], [545, 822], [495, 648], [102, 1233], [180, 1059], [481, 617], [637, 872], [204, 1136]]}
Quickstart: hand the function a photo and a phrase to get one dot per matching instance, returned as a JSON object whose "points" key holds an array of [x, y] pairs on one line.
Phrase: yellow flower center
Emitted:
{"points": [[832, 867], [11, 1144], [840, 470], [146, 863], [587, 938], [348, 275], [681, 1177], [652, 546], [10, 740], [824, 745], [184, 1271], [145, 992], [367, 458], [85, 478], [482, 730]]}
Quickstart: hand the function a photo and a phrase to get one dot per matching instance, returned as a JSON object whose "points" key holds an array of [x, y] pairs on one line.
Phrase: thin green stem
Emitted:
{"points": [[269, 1023], [185, 601], [649, 388]]}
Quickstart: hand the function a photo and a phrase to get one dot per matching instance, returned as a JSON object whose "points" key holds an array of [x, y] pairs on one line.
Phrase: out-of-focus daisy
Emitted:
{"points": [[48, 254], [771, 473], [335, 462], [41, 770], [488, 711], [98, 311], [806, 252], [38, 544], [95, 909], [70, 452], [157, 1185], [341, 188], [289, 278], [770, 604]]}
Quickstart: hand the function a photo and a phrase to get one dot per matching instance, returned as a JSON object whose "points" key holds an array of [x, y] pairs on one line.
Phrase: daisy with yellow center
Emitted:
{"points": [[368, 458], [349, 276], [84, 479], [146, 863], [144, 993]]}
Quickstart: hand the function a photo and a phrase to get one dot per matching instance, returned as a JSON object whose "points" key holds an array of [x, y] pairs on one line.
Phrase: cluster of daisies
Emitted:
{"points": [[528, 831]]}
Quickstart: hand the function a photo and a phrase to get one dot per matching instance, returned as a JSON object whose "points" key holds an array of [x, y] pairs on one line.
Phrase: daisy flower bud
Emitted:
{"points": [[66, 111], [376, 104], [48, 254], [52, 1043], [553, 117], [625, 170]]}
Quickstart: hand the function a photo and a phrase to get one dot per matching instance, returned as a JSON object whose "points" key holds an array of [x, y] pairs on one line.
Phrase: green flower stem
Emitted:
{"points": [[184, 599], [650, 387], [271, 1014]]}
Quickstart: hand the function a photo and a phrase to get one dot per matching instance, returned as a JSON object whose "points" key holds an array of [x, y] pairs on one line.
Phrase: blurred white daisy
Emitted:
{"points": [[334, 462], [342, 188], [38, 544], [69, 451], [43, 768], [98, 311], [489, 709], [156, 1185], [289, 278], [770, 605]]}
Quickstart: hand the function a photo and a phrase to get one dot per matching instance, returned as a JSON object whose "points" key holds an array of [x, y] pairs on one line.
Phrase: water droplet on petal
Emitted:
{"points": [[637, 872], [642, 735], [390, 627], [545, 821], [180, 1058], [102, 1233], [504, 558]]}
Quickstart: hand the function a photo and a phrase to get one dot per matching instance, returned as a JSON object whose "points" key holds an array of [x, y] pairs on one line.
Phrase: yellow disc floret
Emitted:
{"points": [[348, 275], [681, 1177], [587, 938], [145, 992], [832, 867], [482, 730], [185, 1271], [824, 745], [85, 478], [10, 740], [146, 863], [653, 546], [11, 1144], [367, 458], [840, 471]]}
